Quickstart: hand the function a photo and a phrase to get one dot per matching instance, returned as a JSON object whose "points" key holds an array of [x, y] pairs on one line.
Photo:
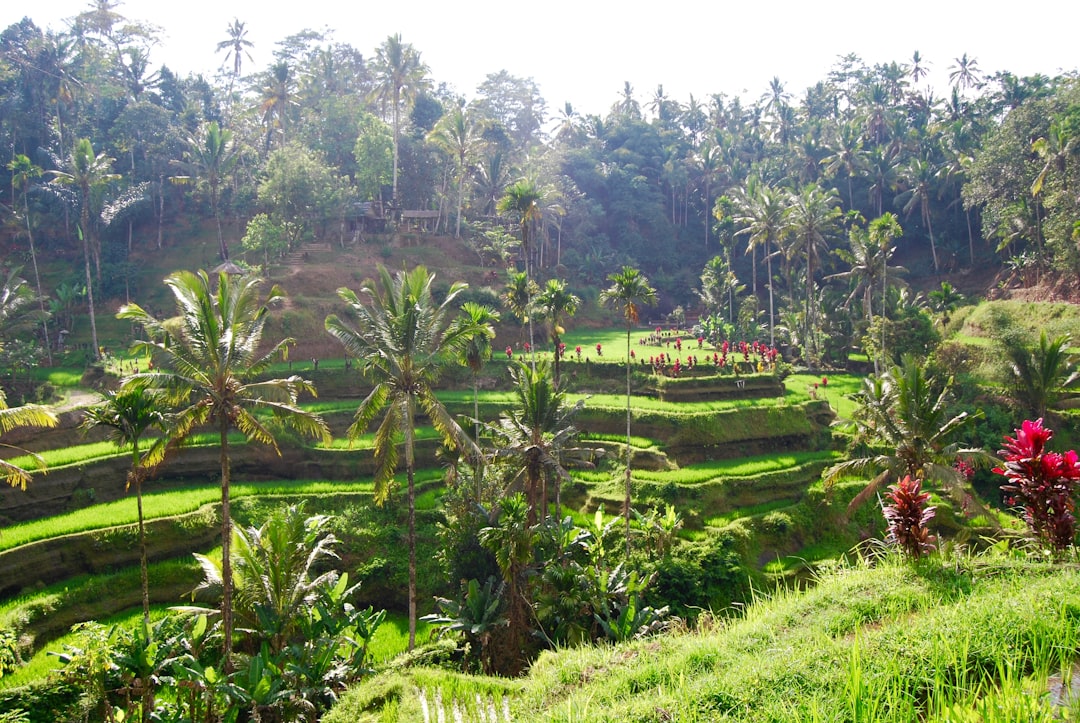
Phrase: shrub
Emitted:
{"points": [[1042, 483], [908, 517]]}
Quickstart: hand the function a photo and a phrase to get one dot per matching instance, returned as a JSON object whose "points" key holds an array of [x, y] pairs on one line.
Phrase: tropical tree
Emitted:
{"points": [[23, 174], [629, 291], [554, 304], [28, 415], [918, 177], [522, 200], [209, 157], [903, 427], [813, 218], [511, 541], [763, 215], [1043, 376], [399, 77], [402, 339], [236, 46], [944, 300], [517, 297], [536, 436], [458, 135], [88, 172], [477, 351], [210, 362], [128, 415]]}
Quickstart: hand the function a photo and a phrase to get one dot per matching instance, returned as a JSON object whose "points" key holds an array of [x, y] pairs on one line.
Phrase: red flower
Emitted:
{"points": [[509, 353], [824, 381]]}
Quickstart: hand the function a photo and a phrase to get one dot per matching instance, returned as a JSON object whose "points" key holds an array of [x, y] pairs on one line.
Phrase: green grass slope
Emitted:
{"points": [[896, 642]]}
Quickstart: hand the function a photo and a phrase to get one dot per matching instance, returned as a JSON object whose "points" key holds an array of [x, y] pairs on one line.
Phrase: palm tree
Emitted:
{"points": [[23, 174], [210, 156], [276, 99], [763, 214], [517, 297], [458, 135], [944, 301], [629, 290], [918, 176], [522, 200], [883, 231], [903, 424], [845, 154], [128, 415], [1043, 376], [813, 218], [210, 362], [964, 72], [399, 78], [476, 352], [402, 340], [28, 415], [553, 305], [87, 172], [537, 436], [237, 46]]}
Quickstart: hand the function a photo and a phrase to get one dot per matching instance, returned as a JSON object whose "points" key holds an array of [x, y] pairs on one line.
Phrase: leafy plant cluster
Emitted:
{"points": [[300, 640], [1042, 483]]}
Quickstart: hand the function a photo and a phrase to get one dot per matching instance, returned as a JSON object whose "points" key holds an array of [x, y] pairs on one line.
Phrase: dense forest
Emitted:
{"points": [[714, 196]]}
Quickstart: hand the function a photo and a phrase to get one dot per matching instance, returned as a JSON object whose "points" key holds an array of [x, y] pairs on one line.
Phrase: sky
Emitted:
{"points": [[583, 52]]}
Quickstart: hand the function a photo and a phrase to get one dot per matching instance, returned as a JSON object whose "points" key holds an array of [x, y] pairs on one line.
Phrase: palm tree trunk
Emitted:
{"points": [[626, 502], [772, 319], [410, 534], [933, 246], [37, 279], [143, 575], [226, 548], [90, 288]]}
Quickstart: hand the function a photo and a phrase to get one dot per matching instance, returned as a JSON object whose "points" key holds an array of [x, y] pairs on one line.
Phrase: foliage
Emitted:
{"points": [[907, 517], [1042, 483], [1045, 376], [29, 415], [904, 427]]}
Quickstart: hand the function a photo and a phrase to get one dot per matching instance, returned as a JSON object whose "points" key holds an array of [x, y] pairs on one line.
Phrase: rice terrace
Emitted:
{"points": [[330, 394]]}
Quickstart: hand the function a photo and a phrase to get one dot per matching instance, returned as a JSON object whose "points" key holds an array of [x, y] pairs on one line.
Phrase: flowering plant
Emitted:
{"points": [[1042, 483], [908, 517]]}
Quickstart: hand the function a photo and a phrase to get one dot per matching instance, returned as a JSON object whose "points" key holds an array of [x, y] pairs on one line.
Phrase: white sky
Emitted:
{"points": [[583, 51]]}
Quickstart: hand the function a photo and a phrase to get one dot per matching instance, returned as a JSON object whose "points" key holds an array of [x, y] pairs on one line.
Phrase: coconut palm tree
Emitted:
{"points": [[399, 77], [918, 178], [1043, 376], [476, 352], [237, 46], [536, 436], [763, 213], [629, 290], [458, 135], [128, 415], [554, 304], [210, 156], [210, 362], [402, 339], [23, 174], [813, 218], [88, 172], [28, 415], [904, 426]]}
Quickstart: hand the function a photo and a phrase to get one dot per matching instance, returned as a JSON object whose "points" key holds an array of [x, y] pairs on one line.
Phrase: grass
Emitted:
{"points": [[93, 451], [894, 642], [741, 468], [165, 504]]}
